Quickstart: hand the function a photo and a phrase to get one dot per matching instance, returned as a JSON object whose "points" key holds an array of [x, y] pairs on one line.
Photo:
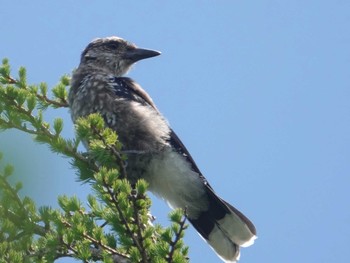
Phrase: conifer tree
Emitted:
{"points": [[114, 223]]}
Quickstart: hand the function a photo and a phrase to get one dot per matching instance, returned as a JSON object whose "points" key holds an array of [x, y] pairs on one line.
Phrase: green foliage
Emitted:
{"points": [[113, 225]]}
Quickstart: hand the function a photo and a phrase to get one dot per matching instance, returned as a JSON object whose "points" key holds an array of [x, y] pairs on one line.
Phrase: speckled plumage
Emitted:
{"points": [[155, 152]]}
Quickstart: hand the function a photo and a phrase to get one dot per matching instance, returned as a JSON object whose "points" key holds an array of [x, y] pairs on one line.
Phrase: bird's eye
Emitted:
{"points": [[90, 58]]}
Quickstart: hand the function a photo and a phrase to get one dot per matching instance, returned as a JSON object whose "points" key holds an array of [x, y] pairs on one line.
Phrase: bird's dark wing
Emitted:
{"points": [[128, 89], [177, 144]]}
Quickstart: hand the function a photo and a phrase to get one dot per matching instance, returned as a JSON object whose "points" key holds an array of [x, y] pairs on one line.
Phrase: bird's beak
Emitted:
{"points": [[140, 53]]}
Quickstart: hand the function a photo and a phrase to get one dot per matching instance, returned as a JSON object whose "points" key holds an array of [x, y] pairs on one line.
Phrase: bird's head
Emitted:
{"points": [[114, 55]]}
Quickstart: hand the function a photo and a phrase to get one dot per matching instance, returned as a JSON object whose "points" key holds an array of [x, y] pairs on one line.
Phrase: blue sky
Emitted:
{"points": [[258, 91]]}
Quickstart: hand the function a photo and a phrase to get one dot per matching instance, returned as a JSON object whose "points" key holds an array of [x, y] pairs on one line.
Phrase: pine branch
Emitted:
{"points": [[178, 235], [31, 235], [7, 79], [99, 244]]}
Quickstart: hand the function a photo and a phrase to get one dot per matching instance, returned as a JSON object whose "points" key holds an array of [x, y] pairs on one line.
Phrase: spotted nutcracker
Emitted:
{"points": [[155, 153]]}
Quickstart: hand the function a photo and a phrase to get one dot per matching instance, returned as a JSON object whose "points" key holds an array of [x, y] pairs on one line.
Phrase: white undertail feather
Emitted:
{"points": [[228, 235], [237, 230], [223, 246]]}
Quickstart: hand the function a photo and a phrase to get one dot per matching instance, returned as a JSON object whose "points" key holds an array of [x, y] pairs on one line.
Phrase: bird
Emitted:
{"points": [[154, 151]]}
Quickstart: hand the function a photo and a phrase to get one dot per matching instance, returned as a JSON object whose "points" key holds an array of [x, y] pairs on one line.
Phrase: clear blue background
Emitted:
{"points": [[258, 91]]}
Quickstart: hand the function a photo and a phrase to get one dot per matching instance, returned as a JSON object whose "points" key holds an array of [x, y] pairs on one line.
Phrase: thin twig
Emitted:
{"points": [[97, 242], [63, 104], [177, 238], [123, 219], [139, 227]]}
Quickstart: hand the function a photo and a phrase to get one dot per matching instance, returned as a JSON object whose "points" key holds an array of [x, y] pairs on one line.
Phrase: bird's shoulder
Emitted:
{"points": [[127, 89], [122, 88]]}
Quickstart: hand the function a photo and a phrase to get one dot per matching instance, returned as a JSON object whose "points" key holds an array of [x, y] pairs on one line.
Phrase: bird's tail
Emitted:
{"points": [[224, 228]]}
